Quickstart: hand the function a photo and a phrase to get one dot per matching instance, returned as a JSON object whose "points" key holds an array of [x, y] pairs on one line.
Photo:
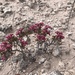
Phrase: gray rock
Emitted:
{"points": [[5, 28], [55, 73], [1, 11], [2, 35], [23, 65], [0, 3], [56, 52], [17, 58], [1, 8], [7, 9], [42, 60]]}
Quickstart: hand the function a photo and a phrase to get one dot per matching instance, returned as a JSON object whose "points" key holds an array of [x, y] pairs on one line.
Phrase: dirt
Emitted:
{"points": [[60, 14]]}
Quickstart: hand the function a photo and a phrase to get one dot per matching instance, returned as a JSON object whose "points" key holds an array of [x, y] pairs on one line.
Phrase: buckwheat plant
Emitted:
{"points": [[16, 42]]}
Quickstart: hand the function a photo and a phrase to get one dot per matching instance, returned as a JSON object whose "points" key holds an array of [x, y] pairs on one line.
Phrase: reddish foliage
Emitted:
{"points": [[40, 29]]}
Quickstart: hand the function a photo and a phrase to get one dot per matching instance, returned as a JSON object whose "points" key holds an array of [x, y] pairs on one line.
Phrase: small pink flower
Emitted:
{"points": [[58, 32], [59, 35], [23, 43], [39, 25], [19, 31], [45, 31], [9, 36], [8, 46], [5, 45], [36, 27], [41, 37], [48, 27], [2, 48], [4, 42], [33, 28]]}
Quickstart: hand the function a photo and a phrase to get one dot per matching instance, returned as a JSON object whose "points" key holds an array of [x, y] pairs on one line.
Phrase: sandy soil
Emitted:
{"points": [[59, 14]]}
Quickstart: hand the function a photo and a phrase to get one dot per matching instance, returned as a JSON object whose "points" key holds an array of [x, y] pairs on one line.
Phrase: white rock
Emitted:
{"points": [[68, 8], [53, 13], [73, 45], [25, 38], [35, 74], [56, 52], [18, 27], [43, 71], [24, 71], [69, 33], [41, 60], [0, 63], [13, 48], [66, 73], [61, 66], [7, 9]]}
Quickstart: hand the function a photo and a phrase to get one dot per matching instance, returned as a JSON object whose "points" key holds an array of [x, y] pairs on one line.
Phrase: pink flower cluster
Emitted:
{"points": [[59, 35], [46, 30], [47, 26], [9, 37], [40, 29], [36, 27], [4, 46], [41, 37], [23, 43], [20, 31]]}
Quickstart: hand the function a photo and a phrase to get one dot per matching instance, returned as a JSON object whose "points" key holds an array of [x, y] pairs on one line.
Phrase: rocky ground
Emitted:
{"points": [[60, 14]]}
